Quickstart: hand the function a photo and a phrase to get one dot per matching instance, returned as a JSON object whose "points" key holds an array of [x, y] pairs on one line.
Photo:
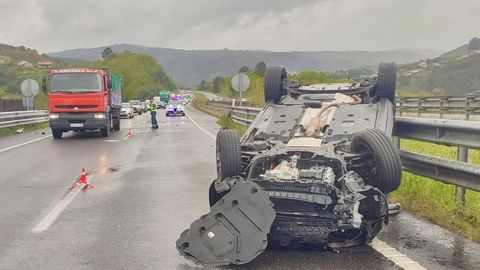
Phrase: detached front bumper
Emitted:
{"points": [[77, 121]]}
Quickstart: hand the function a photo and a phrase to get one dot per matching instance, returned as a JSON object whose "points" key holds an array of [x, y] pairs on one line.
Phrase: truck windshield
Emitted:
{"points": [[76, 82]]}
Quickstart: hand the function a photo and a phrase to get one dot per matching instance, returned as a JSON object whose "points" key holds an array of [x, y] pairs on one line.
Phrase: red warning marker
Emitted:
{"points": [[83, 180]]}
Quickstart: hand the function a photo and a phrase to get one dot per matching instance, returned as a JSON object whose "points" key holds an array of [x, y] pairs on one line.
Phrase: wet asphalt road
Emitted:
{"points": [[148, 188]]}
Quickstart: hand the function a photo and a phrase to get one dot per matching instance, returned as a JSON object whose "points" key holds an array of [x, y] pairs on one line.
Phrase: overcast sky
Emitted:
{"points": [[279, 25]]}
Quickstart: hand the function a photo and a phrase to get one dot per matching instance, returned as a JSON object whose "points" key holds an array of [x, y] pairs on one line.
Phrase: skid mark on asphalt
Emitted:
{"points": [[25, 143], [53, 215]]}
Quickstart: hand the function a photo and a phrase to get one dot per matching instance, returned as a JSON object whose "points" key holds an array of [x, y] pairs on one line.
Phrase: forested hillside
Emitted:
{"points": [[221, 86], [142, 76], [189, 67], [454, 73]]}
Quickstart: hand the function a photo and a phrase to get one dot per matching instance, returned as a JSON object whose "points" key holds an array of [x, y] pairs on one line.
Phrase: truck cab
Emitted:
{"points": [[83, 99]]}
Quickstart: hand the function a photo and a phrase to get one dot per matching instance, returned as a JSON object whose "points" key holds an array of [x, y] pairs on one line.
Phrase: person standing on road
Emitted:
{"points": [[153, 112]]}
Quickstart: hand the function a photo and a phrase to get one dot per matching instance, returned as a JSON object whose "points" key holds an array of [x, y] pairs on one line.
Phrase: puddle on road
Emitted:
{"points": [[432, 246]]}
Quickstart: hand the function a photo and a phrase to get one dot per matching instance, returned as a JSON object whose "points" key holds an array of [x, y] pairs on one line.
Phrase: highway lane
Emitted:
{"points": [[148, 188]]}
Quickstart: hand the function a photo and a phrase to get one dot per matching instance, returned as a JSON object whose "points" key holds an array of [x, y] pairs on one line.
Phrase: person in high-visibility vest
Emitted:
{"points": [[152, 107]]}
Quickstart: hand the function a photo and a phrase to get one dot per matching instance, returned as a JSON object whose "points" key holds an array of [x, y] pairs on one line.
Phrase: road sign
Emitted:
{"points": [[240, 82], [29, 88]]}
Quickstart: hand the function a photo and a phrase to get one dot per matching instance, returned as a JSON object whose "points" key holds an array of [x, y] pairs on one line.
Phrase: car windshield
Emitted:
{"points": [[175, 102], [134, 102], [126, 105], [76, 82]]}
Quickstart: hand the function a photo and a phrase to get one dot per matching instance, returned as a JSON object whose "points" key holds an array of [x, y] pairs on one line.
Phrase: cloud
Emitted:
{"points": [[278, 25]]}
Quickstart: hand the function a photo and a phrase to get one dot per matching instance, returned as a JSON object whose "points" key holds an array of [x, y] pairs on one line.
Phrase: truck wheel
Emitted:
{"points": [[57, 134], [116, 124], [229, 157], [386, 82], [105, 131], [387, 171], [274, 78]]}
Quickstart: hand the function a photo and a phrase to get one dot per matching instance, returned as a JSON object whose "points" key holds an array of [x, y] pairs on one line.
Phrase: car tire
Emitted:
{"points": [[229, 156], [273, 87], [387, 172], [57, 134], [167, 114], [386, 82]]}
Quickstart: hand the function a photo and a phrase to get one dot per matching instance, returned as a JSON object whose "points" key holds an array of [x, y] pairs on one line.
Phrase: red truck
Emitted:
{"points": [[83, 99]]}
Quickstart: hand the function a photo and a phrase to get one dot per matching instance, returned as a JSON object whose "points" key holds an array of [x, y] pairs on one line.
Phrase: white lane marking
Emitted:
{"points": [[200, 127], [25, 143], [50, 218], [395, 256]]}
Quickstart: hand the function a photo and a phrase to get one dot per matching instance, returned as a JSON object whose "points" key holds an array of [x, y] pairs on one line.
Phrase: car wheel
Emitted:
{"points": [[57, 134], [386, 82], [167, 114], [229, 157], [386, 174], [274, 78]]}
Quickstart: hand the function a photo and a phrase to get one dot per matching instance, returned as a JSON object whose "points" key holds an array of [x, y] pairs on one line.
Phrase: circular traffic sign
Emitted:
{"points": [[240, 82], [29, 88]]}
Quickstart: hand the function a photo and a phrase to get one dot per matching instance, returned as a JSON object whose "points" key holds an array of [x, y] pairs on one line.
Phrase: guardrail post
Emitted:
{"points": [[419, 106], [396, 142], [442, 107], [400, 107], [462, 155], [467, 108]]}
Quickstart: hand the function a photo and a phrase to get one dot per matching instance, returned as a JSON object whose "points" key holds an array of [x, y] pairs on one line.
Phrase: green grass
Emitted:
{"points": [[435, 201], [27, 128], [200, 99], [227, 121]]}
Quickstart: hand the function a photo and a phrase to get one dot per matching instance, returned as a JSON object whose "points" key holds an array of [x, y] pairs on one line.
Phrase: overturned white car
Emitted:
{"points": [[314, 168]]}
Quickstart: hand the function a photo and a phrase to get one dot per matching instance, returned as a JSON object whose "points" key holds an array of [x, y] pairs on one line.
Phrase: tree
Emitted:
{"points": [[218, 84], [107, 52], [261, 68], [474, 44], [244, 69], [204, 86]]}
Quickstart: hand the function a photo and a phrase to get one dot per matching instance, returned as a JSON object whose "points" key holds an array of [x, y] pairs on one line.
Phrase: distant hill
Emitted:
{"points": [[190, 67], [456, 72], [12, 54]]}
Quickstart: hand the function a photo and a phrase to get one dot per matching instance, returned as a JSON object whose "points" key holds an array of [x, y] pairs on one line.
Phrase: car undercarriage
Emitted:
{"points": [[314, 168]]}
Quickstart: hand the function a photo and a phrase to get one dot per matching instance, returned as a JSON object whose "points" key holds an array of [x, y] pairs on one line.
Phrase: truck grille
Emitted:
{"points": [[76, 106]]}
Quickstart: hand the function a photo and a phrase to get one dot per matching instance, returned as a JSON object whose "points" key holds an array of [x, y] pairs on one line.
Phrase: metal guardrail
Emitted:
{"points": [[11, 119], [450, 107], [463, 134]]}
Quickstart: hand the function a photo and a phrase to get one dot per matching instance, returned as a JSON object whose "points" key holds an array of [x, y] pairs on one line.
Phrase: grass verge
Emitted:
{"points": [[435, 201], [200, 99], [227, 122], [13, 130]]}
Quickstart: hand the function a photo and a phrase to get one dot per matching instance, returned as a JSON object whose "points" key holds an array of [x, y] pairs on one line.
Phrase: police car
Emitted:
{"points": [[175, 107]]}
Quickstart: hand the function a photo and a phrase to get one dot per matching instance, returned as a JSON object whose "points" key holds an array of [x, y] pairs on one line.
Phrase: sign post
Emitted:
{"points": [[240, 83], [29, 89]]}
